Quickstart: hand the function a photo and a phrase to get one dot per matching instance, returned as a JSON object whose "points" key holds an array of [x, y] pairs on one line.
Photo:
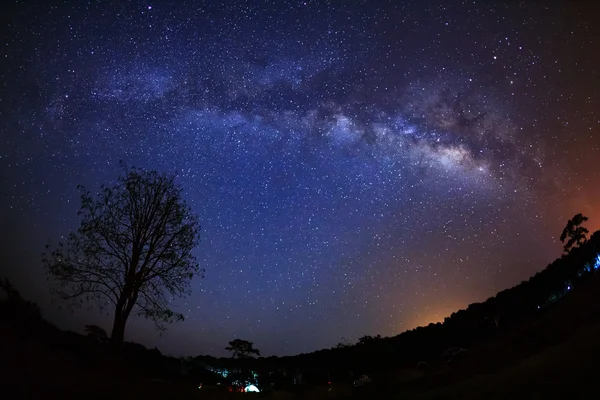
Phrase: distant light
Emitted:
{"points": [[568, 287], [538, 307], [251, 388]]}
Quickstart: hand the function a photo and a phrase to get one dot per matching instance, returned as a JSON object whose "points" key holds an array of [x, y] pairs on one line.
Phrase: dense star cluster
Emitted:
{"points": [[358, 167]]}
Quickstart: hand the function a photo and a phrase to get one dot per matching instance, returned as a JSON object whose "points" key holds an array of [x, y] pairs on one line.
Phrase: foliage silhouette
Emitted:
{"points": [[576, 233], [242, 349], [96, 333], [132, 251], [512, 319], [15, 308], [367, 339]]}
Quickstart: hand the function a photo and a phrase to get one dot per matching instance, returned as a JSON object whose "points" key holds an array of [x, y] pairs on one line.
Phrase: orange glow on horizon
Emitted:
{"points": [[435, 314]]}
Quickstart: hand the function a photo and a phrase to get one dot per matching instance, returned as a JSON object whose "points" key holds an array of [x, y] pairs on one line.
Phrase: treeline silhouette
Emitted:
{"points": [[506, 312], [498, 315]]}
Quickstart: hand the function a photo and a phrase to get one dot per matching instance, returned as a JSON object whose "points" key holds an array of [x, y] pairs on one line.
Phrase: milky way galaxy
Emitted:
{"points": [[358, 167]]}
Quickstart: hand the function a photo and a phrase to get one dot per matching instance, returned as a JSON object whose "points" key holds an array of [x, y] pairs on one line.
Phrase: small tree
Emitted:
{"points": [[15, 306], [96, 333], [132, 251], [368, 339], [242, 349], [575, 232], [343, 343]]}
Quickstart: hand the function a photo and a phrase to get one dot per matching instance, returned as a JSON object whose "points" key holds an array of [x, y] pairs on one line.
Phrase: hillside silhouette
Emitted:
{"points": [[538, 338]]}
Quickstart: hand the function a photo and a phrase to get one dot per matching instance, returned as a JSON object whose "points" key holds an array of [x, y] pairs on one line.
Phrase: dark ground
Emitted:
{"points": [[554, 357]]}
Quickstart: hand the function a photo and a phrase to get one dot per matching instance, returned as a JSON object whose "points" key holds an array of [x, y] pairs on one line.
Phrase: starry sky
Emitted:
{"points": [[358, 167]]}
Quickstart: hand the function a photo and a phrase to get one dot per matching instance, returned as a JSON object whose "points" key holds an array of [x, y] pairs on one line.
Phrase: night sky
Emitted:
{"points": [[358, 167]]}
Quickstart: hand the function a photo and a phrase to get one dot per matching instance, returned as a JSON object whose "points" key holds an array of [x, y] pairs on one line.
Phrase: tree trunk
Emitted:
{"points": [[121, 315], [122, 311], [118, 331]]}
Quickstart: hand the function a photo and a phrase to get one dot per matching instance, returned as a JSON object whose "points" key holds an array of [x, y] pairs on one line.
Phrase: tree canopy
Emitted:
{"points": [[242, 348], [133, 250], [576, 233]]}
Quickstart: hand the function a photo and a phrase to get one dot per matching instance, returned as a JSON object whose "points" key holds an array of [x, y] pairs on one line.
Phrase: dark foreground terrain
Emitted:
{"points": [[555, 356]]}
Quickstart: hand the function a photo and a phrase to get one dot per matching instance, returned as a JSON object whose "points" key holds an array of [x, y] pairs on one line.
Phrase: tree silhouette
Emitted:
{"points": [[132, 251], [243, 351], [575, 232], [242, 348], [25, 315], [343, 343], [367, 339], [96, 333]]}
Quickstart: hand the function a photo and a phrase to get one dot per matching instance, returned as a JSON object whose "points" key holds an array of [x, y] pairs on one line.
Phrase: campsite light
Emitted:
{"points": [[252, 388]]}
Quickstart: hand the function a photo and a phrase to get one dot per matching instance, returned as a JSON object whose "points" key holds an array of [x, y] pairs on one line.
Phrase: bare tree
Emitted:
{"points": [[576, 233], [132, 251]]}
